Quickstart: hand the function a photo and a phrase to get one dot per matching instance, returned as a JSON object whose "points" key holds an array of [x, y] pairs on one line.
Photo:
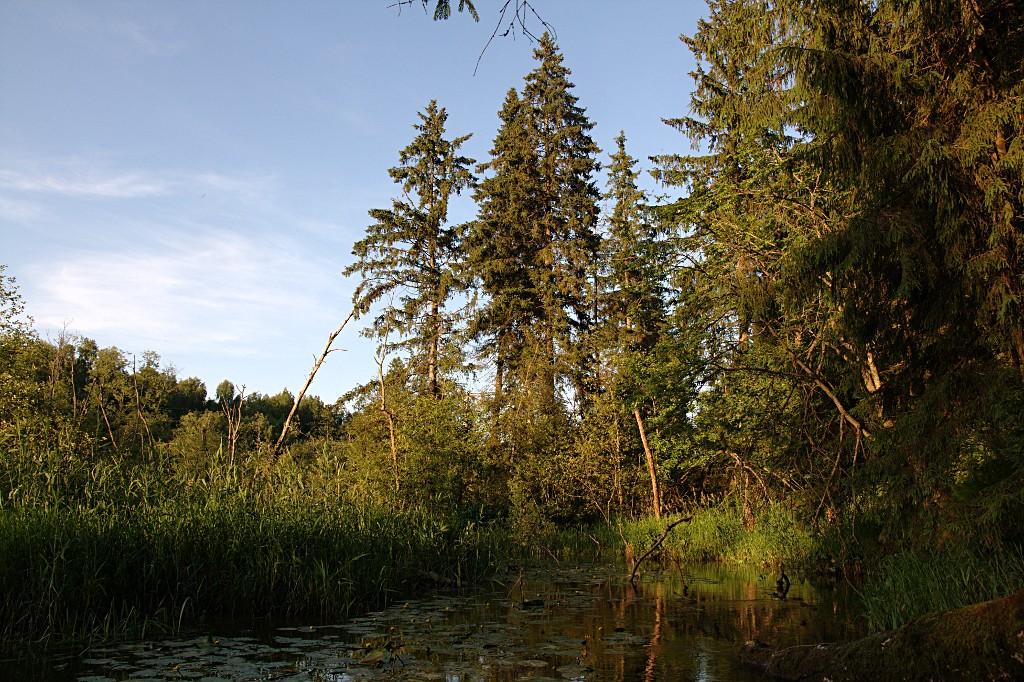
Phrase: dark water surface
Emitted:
{"points": [[558, 623]]}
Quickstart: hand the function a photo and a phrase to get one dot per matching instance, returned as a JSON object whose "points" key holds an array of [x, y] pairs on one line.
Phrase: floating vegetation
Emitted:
{"points": [[588, 624]]}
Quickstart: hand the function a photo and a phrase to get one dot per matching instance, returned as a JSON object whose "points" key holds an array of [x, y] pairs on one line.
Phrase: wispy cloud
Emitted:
{"points": [[17, 211], [149, 31], [186, 292], [154, 40], [244, 187], [224, 273], [94, 184], [78, 176], [84, 178]]}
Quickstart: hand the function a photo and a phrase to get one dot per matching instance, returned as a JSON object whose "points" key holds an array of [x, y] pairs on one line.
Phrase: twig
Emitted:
{"points": [[519, 15]]}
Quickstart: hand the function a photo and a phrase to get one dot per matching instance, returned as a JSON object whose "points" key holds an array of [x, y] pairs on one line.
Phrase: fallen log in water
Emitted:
{"points": [[980, 642]]}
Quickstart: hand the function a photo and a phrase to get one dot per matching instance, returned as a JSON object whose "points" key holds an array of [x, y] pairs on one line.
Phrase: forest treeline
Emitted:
{"points": [[822, 316]]}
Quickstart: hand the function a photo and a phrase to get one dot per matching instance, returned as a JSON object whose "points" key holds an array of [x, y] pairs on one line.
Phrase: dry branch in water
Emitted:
{"points": [[656, 545]]}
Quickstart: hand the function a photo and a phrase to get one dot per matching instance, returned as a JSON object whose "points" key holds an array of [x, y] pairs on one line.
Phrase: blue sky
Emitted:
{"points": [[189, 177]]}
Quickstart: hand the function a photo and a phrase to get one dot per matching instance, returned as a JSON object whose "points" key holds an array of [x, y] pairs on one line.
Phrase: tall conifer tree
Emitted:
{"points": [[856, 228], [567, 230], [501, 248], [636, 255], [412, 251], [538, 215], [634, 311]]}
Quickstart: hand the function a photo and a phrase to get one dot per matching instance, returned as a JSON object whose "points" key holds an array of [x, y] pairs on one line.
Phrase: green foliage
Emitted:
{"points": [[412, 252], [602, 469], [500, 251], [442, 444], [720, 533], [907, 585], [443, 8], [199, 440], [820, 339], [99, 549], [840, 260], [635, 258], [12, 307], [533, 248]]}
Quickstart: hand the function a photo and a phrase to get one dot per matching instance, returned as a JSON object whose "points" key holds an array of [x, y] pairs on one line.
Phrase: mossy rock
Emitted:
{"points": [[980, 642]]}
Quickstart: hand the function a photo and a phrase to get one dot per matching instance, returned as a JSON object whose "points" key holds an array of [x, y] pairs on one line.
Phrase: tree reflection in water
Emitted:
{"points": [[585, 623]]}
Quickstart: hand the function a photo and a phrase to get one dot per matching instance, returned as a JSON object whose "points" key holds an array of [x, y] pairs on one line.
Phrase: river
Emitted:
{"points": [[552, 623]]}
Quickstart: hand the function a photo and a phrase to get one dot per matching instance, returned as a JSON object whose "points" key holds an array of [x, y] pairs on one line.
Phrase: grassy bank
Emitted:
{"points": [[719, 534], [91, 573], [107, 549], [893, 589], [907, 585], [97, 548]]}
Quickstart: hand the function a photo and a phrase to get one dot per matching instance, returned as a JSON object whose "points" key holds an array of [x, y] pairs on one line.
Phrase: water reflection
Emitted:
{"points": [[581, 623]]}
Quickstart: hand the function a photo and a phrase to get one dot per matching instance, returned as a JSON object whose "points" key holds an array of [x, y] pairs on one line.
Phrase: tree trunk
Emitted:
{"points": [[138, 407], [388, 414], [394, 444], [980, 642], [434, 349], [650, 463], [106, 421]]}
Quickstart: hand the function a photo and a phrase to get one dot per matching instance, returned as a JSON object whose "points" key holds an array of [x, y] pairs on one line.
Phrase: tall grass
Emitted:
{"points": [[102, 549], [907, 585], [718, 534]]}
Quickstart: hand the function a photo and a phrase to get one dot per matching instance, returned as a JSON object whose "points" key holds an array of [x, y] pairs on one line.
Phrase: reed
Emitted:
{"points": [[907, 585], [96, 550], [718, 534]]}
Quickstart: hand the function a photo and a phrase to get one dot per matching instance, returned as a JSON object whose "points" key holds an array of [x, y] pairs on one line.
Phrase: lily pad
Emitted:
{"points": [[533, 663]]}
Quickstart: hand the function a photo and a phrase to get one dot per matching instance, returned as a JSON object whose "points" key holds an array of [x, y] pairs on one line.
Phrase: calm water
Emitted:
{"points": [[560, 623]]}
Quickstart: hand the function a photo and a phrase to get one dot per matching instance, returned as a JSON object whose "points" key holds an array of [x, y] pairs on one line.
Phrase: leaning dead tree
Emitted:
{"points": [[328, 349]]}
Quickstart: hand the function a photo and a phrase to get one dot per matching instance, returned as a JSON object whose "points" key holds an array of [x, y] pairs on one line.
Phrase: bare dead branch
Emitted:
{"points": [[656, 493], [521, 11], [656, 545], [316, 367]]}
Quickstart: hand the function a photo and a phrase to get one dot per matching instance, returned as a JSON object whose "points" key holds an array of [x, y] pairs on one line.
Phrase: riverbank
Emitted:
{"points": [[112, 549], [100, 550], [969, 644], [892, 589]]}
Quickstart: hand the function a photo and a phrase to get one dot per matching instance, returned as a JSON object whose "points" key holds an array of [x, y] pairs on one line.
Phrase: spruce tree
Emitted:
{"points": [[636, 255], [635, 266], [502, 252], [535, 240], [412, 252], [854, 232], [566, 231], [915, 110]]}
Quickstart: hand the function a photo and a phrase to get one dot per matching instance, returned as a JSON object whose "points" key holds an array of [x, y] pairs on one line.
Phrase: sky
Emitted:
{"points": [[189, 177]]}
